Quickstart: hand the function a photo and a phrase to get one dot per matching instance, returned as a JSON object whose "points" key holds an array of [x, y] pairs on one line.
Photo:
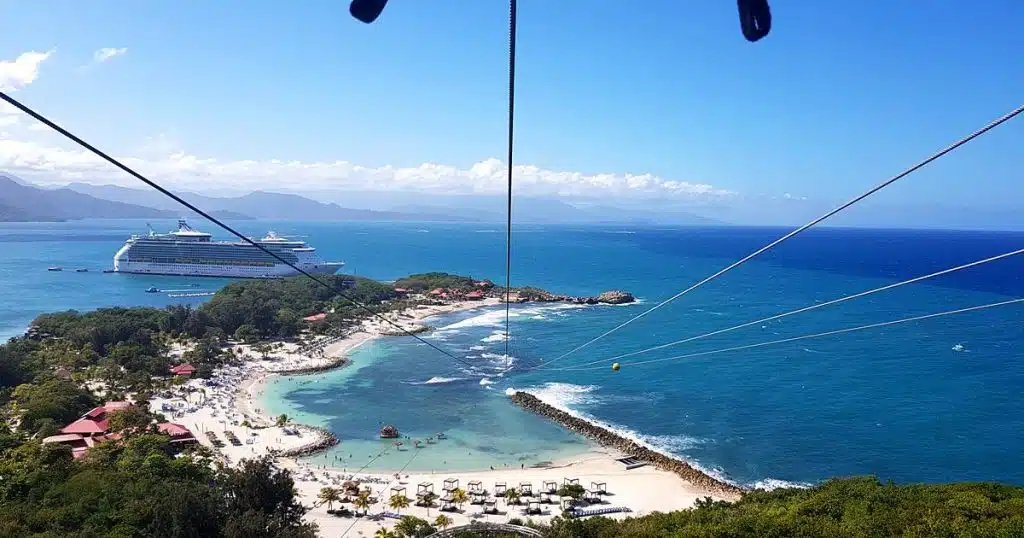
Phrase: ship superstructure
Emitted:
{"points": [[189, 252]]}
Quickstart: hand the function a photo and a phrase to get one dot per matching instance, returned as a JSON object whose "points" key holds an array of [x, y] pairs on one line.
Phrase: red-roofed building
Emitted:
{"points": [[315, 317], [95, 421], [475, 295], [94, 428], [178, 433], [401, 291], [184, 369], [437, 291]]}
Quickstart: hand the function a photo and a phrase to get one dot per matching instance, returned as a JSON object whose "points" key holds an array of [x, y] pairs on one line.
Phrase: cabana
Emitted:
{"points": [[499, 489], [398, 490], [533, 508], [490, 506], [569, 481], [550, 486], [475, 486], [424, 488], [451, 484], [600, 487], [567, 502], [448, 503], [592, 496], [526, 489]]}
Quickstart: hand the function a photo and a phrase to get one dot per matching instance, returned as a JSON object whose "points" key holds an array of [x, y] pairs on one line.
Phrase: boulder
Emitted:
{"points": [[616, 297]]}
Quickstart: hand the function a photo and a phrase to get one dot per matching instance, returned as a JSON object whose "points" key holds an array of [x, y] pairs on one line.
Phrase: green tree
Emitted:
{"points": [[247, 334], [398, 502], [282, 420], [459, 497], [443, 522], [428, 501], [413, 527], [329, 496], [263, 348], [255, 490], [55, 399], [575, 491], [512, 496], [362, 502], [383, 533], [131, 419], [288, 322]]}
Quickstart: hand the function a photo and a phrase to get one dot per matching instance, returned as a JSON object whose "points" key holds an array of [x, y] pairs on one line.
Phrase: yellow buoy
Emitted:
{"points": [[615, 367]]}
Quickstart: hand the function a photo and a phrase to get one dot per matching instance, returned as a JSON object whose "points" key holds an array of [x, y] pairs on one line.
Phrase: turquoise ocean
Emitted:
{"points": [[936, 400]]}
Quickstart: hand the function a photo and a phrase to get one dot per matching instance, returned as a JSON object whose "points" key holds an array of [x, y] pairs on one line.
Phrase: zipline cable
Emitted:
{"points": [[806, 308], [511, 124], [815, 335], [337, 291], [934, 157]]}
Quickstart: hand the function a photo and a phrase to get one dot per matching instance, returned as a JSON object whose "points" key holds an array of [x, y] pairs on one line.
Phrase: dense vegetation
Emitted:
{"points": [[428, 281], [139, 489], [142, 487], [854, 507]]}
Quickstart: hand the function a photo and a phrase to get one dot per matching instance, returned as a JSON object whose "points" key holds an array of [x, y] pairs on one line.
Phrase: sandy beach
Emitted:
{"points": [[224, 414]]}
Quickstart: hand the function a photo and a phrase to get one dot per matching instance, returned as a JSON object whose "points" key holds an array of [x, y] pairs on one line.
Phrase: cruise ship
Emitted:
{"points": [[189, 252]]}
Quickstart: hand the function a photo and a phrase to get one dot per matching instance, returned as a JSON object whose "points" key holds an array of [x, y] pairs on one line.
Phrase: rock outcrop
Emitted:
{"points": [[616, 297], [322, 439], [532, 295], [608, 439]]}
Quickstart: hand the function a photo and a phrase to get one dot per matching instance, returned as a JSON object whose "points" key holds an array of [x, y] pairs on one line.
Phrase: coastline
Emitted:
{"points": [[236, 408], [628, 447]]}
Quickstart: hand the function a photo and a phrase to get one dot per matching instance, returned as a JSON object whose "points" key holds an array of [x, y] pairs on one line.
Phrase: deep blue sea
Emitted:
{"points": [[936, 400]]}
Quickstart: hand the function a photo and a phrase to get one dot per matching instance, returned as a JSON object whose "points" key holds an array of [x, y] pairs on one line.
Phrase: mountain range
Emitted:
{"points": [[24, 201]]}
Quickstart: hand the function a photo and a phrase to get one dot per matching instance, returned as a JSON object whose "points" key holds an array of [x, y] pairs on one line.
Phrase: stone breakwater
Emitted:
{"points": [[340, 362], [608, 439], [322, 439]]}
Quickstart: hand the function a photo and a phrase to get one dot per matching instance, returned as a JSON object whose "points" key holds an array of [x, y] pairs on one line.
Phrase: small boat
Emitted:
{"points": [[441, 435], [389, 432], [108, 270], [81, 270], [152, 289], [55, 268]]}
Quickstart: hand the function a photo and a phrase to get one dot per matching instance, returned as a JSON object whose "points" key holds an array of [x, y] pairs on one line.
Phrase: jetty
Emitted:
{"points": [[638, 452]]}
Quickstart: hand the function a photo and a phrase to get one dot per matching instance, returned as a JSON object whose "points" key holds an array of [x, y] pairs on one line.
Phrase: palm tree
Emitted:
{"points": [[459, 497], [428, 500], [511, 496], [443, 521], [398, 502], [383, 533], [282, 420], [329, 496], [362, 502]]}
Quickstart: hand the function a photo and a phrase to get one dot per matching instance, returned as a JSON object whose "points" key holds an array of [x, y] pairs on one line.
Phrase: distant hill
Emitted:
{"points": [[263, 205], [20, 202]]}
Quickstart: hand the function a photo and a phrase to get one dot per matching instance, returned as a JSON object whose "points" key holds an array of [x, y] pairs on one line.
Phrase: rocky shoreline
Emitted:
{"points": [[341, 362], [608, 439], [324, 440], [532, 295]]}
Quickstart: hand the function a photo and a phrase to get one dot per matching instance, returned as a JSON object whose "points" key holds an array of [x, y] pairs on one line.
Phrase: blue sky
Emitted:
{"points": [[838, 97]]}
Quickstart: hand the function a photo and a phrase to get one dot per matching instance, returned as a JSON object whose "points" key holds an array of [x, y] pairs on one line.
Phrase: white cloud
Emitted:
{"points": [[47, 164], [8, 120], [22, 71], [107, 53]]}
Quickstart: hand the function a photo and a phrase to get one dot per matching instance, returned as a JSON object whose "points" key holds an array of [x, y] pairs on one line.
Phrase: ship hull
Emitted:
{"points": [[224, 271]]}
